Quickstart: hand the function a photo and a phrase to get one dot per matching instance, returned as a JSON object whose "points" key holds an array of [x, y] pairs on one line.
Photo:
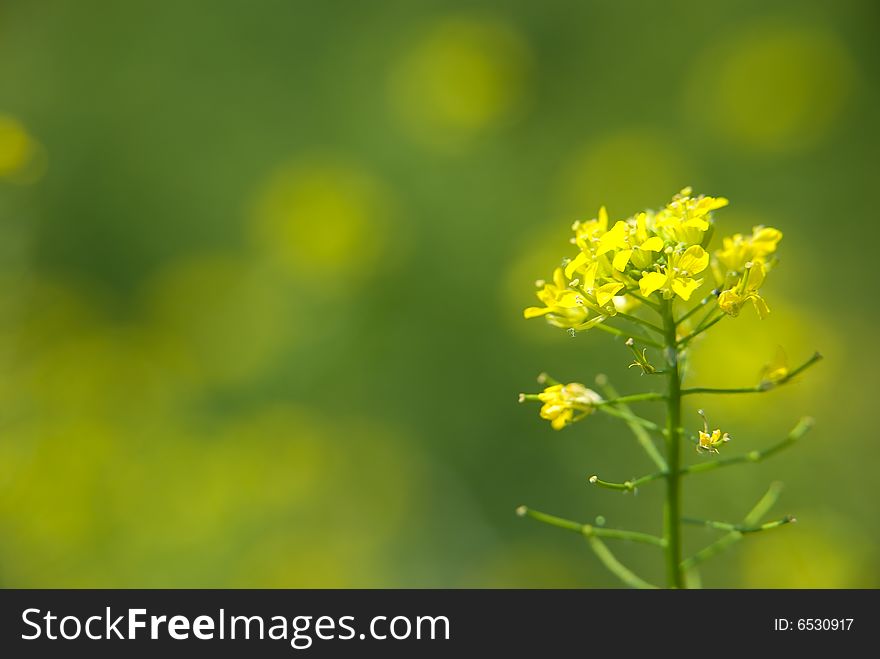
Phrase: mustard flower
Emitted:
{"points": [[640, 245], [710, 442], [564, 306], [737, 250], [676, 278], [731, 301], [566, 403], [686, 219]]}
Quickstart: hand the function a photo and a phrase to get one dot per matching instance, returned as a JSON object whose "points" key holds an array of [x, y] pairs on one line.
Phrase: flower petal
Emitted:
{"points": [[652, 244], [535, 312], [694, 260], [605, 293], [684, 286], [576, 263], [652, 281], [621, 259]]}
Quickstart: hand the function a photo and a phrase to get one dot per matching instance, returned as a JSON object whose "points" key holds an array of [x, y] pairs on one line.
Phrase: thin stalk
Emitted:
{"points": [[649, 303], [760, 509], [800, 429], [803, 426], [633, 398], [702, 303], [626, 486], [618, 332], [589, 530], [684, 341], [631, 418], [672, 506], [739, 528], [640, 321], [640, 433], [758, 388], [617, 568]]}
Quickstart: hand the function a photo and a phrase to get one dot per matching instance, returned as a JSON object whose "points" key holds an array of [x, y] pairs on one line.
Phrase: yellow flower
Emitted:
{"points": [[562, 402], [590, 236], [737, 250], [686, 219], [564, 306], [710, 441], [587, 234], [731, 301], [640, 247], [676, 277]]}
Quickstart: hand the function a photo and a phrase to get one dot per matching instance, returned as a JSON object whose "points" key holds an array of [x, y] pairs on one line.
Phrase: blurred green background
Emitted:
{"points": [[263, 265]]}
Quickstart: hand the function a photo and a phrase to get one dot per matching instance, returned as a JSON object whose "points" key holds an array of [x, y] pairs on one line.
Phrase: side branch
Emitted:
{"points": [[617, 568], [739, 528], [802, 427], [588, 530], [758, 388], [765, 503]]}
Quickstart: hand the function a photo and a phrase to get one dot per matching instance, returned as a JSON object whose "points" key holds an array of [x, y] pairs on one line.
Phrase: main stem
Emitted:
{"points": [[672, 507]]}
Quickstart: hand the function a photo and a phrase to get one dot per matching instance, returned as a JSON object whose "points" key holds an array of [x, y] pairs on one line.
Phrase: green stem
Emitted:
{"points": [[739, 528], [751, 519], [758, 388], [683, 342], [672, 507], [640, 321], [802, 427], [614, 566], [631, 419], [701, 304], [648, 303], [589, 530], [632, 398], [627, 486]]}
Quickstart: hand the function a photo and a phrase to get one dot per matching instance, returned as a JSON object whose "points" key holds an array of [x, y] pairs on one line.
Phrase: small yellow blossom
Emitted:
{"points": [[676, 278], [566, 403], [731, 301], [686, 219], [587, 234], [565, 306], [737, 250], [710, 441], [640, 246]]}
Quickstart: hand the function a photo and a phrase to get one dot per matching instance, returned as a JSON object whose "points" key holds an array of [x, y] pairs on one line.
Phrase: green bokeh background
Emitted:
{"points": [[262, 268]]}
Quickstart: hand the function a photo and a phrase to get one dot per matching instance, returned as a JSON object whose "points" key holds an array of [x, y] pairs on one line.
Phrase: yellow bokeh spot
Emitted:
{"points": [[774, 89], [822, 551], [217, 319], [326, 219], [623, 172], [21, 156], [463, 76]]}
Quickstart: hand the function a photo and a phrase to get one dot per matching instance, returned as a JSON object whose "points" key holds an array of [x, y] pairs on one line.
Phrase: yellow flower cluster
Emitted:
{"points": [[664, 253]]}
